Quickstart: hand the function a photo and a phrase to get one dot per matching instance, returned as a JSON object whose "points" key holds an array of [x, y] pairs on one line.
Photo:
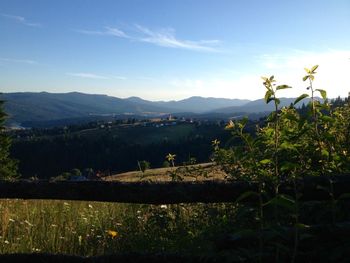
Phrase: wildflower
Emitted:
{"points": [[6, 242], [171, 158], [230, 125], [11, 220], [215, 143], [112, 233], [163, 207], [90, 206]]}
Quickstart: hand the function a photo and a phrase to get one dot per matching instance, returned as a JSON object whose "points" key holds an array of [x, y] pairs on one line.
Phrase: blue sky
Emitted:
{"points": [[164, 50]]}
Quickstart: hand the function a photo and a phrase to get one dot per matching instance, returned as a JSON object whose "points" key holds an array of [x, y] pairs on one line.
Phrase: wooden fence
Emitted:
{"points": [[310, 188]]}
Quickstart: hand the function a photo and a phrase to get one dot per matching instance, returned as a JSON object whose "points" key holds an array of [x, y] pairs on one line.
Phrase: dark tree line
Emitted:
{"points": [[8, 166], [49, 156]]}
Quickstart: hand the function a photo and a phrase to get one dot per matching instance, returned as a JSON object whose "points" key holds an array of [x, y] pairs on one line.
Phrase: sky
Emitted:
{"points": [[171, 50]]}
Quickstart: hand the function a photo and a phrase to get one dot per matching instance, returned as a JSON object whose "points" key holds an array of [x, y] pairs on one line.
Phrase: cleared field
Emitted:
{"points": [[199, 172]]}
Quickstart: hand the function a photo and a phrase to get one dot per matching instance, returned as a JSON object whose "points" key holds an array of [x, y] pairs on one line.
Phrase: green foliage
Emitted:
{"points": [[8, 166], [143, 165], [289, 146]]}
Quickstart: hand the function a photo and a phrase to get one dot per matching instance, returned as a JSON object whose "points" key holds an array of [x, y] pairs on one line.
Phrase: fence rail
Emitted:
{"points": [[309, 188]]}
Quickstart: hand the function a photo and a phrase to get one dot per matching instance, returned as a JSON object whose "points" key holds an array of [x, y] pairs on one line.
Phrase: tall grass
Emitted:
{"points": [[94, 228]]}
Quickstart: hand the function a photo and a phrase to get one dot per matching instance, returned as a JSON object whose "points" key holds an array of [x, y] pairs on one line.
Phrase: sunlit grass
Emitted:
{"points": [[94, 228]]}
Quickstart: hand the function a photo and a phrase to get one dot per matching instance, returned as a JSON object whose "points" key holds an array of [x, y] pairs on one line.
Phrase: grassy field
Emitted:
{"points": [[96, 228], [93, 228], [199, 172]]}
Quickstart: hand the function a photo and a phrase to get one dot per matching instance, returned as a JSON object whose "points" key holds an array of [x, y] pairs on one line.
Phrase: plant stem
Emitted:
{"points": [[261, 216], [276, 146], [296, 233]]}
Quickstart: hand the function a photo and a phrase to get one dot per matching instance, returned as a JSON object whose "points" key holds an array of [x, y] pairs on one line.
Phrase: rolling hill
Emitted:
{"points": [[42, 109], [24, 107]]}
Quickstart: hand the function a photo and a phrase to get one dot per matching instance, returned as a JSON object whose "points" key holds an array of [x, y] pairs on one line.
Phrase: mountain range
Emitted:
{"points": [[29, 107]]}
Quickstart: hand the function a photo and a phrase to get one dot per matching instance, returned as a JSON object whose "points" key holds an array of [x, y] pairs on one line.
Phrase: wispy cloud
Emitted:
{"points": [[94, 76], [164, 37], [87, 75], [119, 77], [108, 31], [167, 38], [21, 20], [13, 60]]}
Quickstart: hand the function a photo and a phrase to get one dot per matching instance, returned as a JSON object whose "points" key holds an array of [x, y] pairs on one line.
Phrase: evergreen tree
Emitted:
{"points": [[8, 166]]}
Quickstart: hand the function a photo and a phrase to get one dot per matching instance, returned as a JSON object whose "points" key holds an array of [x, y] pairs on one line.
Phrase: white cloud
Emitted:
{"points": [[87, 75], [119, 77], [163, 37], [21, 19], [108, 31], [13, 60], [166, 38]]}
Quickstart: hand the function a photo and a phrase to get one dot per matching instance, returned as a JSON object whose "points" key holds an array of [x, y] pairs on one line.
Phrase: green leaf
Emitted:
{"points": [[290, 116], [307, 70], [305, 77], [272, 78], [344, 196], [288, 146], [269, 99], [264, 78], [301, 226], [246, 195], [283, 87], [283, 201], [312, 77], [313, 69], [301, 97], [323, 93], [244, 121], [277, 101], [325, 153], [287, 166], [265, 161], [268, 95], [326, 118]]}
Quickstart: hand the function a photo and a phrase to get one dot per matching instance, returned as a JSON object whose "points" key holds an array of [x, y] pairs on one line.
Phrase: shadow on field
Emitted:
{"points": [[132, 258]]}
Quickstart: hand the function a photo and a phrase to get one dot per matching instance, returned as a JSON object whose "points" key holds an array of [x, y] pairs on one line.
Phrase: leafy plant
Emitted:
{"points": [[289, 146]]}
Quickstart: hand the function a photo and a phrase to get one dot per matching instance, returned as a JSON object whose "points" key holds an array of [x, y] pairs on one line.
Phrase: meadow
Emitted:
{"points": [[96, 228]]}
